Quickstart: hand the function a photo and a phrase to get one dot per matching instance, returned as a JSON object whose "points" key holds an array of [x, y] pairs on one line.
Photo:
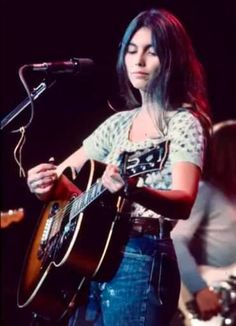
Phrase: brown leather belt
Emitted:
{"points": [[150, 226]]}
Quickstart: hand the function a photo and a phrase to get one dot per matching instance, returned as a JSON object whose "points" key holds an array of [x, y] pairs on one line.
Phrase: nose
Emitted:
{"points": [[140, 59]]}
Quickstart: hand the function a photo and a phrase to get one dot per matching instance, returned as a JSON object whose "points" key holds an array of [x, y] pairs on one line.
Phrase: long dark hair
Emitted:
{"points": [[181, 77], [221, 168]]}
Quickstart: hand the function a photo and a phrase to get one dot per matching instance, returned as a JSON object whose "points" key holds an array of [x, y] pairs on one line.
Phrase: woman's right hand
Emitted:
{"points": [[41, 179]]}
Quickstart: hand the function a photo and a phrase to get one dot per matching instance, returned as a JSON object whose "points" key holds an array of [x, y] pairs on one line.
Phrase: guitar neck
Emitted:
{"points": [[86, 198], [148, 160]]}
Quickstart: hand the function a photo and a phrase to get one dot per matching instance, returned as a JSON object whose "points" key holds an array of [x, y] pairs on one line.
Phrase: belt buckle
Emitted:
{"points": [[137, 229]]}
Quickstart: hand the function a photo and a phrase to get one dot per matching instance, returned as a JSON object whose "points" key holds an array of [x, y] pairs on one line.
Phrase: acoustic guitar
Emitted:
{"points": [[78, 238]]}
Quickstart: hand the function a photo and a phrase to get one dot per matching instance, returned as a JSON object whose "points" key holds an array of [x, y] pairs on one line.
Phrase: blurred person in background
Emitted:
{"points": [[206, 243]]}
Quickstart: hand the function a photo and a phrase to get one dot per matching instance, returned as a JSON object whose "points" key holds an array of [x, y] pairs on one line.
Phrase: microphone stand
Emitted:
{"points": [[20, 107]]}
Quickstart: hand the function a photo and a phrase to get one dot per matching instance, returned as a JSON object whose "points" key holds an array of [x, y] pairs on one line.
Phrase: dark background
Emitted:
{"points": [[47, 31]]}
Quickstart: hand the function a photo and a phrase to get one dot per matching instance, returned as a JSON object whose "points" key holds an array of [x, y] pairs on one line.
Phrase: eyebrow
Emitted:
{"points": [[146, 47]]}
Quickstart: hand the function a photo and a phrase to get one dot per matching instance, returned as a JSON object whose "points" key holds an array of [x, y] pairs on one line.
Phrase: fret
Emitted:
{"points": [[86, 196], [93, 190], [76, 204], [81, 202]]}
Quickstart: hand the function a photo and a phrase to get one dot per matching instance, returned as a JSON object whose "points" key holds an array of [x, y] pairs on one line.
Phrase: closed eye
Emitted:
{"points": [[148, 49], [151, 51], [131, 49]]}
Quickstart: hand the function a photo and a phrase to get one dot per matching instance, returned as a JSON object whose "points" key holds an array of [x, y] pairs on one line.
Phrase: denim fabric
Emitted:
{"points": [[144, 290]]}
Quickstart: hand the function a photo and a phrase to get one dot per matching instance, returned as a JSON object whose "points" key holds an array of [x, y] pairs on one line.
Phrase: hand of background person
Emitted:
{"points": [[208, 303]]}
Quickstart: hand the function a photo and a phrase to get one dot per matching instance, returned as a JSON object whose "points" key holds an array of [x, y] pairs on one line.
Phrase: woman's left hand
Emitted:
{"points": [[112, 179]]}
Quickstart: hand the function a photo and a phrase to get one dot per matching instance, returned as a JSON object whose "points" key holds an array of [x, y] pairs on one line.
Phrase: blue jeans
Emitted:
{"points": [[144, 290]]}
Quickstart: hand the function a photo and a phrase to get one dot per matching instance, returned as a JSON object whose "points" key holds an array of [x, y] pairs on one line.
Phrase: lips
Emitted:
{"points": [[139, 73]]}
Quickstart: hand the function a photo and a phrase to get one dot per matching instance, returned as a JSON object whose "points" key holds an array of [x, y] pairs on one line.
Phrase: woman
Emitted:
{"points": [[163, 84]]}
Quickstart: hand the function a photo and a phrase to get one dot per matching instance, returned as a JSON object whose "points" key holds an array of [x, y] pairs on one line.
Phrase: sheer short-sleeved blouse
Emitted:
{"points": [[186, 144]]}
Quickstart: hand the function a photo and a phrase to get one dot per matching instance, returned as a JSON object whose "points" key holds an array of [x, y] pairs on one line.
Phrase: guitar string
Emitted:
{"points": [[58, 217], [77, 200], [67, 208]]}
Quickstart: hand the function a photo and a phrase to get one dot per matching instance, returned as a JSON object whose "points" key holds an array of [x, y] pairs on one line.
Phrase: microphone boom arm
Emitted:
{"points": [[20, 107]]}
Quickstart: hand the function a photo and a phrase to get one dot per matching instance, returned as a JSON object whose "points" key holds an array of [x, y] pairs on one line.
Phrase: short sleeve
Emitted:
{"points": [[187, 139], [97, 145], [101, 142]]}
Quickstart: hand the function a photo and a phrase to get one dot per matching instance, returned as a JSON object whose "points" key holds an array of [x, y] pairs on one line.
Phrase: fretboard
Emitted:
{"points": [[86, 198]]}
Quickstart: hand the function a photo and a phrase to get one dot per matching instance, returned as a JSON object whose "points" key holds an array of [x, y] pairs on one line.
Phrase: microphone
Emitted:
{"points": [[72, 66]]}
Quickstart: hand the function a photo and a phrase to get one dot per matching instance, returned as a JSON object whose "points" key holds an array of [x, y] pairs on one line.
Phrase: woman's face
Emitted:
{"points": [[141, 60]]}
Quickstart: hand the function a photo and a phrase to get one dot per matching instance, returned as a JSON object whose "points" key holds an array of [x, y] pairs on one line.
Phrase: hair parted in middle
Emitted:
{"points": [[181, 79]]}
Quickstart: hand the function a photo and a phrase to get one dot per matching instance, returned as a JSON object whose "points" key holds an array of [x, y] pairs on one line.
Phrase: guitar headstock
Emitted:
{"points": [[146, 160], [10, 216]]}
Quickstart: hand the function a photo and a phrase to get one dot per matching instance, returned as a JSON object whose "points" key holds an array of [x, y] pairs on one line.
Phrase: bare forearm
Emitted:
{"points": [[175, 204]]}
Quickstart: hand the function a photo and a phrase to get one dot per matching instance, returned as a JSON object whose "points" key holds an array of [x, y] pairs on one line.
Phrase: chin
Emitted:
{"points": [[140, 85]]}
